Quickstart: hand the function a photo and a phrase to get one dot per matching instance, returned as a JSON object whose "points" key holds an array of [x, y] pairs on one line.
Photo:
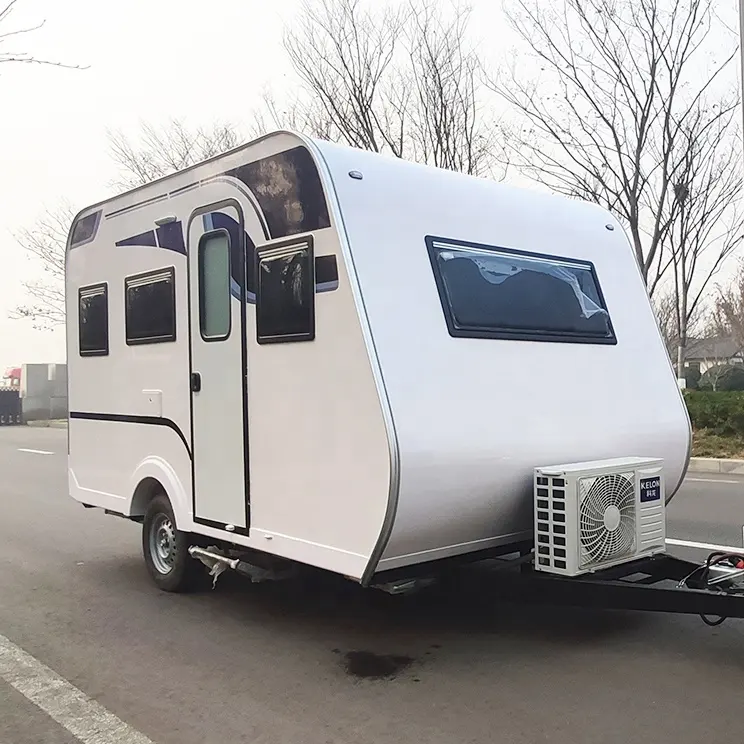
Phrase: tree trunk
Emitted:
{"points": [[681, 358]]}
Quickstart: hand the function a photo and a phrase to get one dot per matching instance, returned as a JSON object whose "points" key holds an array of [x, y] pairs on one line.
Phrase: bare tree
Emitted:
{"points": [[448, 126], [665, 313], [706, 220], [155, 153], [403, 81], [343, 54], [8, 54], [717, 362], [666, 310], [718, 359], [159, 151], [618, 90], [44, 244], [716, 370], [728, 309]]}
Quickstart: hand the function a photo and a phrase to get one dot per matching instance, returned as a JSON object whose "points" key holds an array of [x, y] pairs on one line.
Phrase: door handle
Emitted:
{"points": [[195, 382]]}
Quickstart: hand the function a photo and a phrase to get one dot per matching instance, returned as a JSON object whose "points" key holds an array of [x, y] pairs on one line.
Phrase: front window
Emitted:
{"points": [[490, 292]]}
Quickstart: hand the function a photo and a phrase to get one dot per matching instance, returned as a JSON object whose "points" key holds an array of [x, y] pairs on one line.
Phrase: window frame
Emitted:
{"points": [[436, 244], [170, 271], [92, 289], [199, 270], [274, 250]]}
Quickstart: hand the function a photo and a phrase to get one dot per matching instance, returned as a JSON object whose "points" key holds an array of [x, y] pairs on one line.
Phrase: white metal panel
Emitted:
{"points": [[599, 466], [475, 416], [142, 380], [320, 467], [105, 456]]}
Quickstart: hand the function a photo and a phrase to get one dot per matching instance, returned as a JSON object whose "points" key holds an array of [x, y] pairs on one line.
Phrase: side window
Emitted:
{"points": [[285, 302], [214, 286], [150, 313], [491, 292], [93, 320]]}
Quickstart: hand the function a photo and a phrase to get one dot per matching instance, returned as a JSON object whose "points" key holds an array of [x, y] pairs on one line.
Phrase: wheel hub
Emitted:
{"points": [[163, 544]]}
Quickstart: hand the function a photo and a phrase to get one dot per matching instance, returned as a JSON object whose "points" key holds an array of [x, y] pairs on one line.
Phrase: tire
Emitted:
{"points": [[165, 550]]}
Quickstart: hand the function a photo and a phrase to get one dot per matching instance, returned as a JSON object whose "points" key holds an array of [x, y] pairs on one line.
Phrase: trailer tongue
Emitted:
{"points": [[662, 583], [714, 590]]}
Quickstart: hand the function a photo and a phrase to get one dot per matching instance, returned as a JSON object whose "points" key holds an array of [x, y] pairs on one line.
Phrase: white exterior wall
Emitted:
{"points": [[320, 468], [319, 452], [475, 416], [105, 456]]}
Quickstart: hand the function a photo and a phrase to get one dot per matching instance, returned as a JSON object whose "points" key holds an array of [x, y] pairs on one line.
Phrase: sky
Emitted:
{"points": [[147, 61]]}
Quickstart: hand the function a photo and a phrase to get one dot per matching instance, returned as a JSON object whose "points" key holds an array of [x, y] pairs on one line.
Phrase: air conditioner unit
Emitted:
{"points": [[594, 515]]}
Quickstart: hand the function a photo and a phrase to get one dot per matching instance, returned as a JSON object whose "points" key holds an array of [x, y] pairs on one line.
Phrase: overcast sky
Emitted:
{"points": [[148, 61]]}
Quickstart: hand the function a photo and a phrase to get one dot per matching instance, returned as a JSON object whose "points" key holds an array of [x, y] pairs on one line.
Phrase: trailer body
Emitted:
{"points": [[352, 361]]}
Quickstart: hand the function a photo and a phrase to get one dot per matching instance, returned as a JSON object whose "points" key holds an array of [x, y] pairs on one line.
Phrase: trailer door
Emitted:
{"points": [[218, 393]]}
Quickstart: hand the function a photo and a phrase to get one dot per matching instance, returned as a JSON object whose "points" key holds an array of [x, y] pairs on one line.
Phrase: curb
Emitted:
{"points": [[54, 424], [713, 465]]}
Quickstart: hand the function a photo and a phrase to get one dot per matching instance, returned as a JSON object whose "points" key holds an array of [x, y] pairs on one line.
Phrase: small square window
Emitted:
{"points": [[93, 320], [285, 302], [150, 313]]}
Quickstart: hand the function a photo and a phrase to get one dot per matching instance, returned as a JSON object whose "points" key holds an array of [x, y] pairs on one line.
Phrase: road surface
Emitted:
{"points": [[85, 635]]}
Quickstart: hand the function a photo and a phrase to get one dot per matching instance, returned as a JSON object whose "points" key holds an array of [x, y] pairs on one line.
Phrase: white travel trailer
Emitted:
{"points": [[349, 361]]}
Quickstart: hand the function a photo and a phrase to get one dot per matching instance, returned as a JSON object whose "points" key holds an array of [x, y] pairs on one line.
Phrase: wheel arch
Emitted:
{"points": [[151, 477]]}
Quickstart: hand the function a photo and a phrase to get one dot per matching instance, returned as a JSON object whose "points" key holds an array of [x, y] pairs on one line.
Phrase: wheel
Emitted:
{"points": [[165, 549]]}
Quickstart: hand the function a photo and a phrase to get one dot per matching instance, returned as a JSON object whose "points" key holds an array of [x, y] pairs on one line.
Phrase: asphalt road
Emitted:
{"points": [[271, 663]]}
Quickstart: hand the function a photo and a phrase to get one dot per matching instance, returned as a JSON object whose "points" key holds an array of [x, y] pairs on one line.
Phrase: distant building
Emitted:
{"points": [[12, 377], [702, 354]]}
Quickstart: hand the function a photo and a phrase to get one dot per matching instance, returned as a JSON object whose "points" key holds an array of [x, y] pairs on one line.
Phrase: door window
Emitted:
{"points": [[214, 286]]}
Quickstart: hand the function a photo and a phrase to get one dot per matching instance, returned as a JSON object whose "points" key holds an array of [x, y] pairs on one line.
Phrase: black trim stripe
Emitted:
{"points": [[125, 418]]}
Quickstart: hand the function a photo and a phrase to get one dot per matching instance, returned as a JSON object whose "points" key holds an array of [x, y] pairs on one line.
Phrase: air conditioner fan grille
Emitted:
{"points": [[607, 517]]}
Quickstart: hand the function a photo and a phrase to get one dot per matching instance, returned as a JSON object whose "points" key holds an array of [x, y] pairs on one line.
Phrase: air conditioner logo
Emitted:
{"points": [[650, 489]]}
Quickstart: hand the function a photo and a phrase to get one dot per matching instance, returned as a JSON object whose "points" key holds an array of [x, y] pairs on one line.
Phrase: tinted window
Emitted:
{"points": [[286, 293], [150, 307], [93, 320], [214, 286], [289, 191], [326, 274], [497, 293], [84, 229]]}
